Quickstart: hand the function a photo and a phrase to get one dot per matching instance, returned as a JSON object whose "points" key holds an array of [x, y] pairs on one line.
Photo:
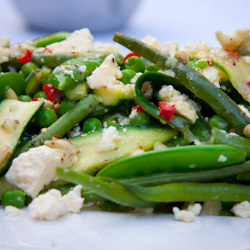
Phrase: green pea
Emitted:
{"points": [[179, 141], [24, 98], [152, 67], [14, 198], [66, 106], [218, 122], [40, 94], [110, 121], [127, 75], [45, 118], [91, 124], [28, 67], [135, 63], [141, 118], [198, 64]]}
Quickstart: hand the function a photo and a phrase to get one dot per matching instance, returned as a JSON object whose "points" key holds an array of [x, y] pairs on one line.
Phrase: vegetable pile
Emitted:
{"points": [[162, 127]]}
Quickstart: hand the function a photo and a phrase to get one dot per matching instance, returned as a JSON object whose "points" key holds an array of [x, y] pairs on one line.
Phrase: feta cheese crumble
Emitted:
{"points": [[105, 75], [109, 140], [222, 158], [51, 205], [242, 209], [189, 214], [34, 169], [12, 211]]}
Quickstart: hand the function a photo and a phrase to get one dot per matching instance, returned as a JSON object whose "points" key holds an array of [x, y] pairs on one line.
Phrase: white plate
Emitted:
{"points": [[113, 231]]}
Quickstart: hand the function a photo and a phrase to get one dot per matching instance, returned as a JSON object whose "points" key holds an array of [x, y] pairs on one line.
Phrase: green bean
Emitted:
{"points": [[111, 190], [64, 124], [222, 137], [65, 106], [192, 192], [192, 80], [51, 38], [194, 176]]}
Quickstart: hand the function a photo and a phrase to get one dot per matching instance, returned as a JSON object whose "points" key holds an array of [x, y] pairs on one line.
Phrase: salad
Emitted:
{"points": [[162, 128]]}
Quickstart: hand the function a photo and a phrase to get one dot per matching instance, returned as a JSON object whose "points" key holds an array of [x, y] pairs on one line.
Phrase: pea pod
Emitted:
{"points": [[193, 176], [179, 159], [159, 79], [111, 190], [192, 192], [51, 38], [222, 137], [12, 80], [192, 80]]}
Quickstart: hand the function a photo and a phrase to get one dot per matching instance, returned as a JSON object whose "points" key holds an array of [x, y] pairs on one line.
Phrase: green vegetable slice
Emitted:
{"points": [[178, 159]]}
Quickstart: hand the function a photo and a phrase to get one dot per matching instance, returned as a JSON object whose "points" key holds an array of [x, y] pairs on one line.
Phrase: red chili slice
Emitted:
{"points": [[166, 110], [54, 95], [138, 108], [26, 57], [129, 55], [232, 53]]}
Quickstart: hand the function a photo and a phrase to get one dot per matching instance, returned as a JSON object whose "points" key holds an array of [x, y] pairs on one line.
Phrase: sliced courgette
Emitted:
{"points": [[14, 117], [133, 138]]}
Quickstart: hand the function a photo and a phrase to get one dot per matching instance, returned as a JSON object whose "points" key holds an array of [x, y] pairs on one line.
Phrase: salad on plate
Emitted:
{"points": [[160, 129]]}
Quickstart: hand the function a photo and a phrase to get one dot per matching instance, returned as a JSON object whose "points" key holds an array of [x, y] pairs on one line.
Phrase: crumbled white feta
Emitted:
{"points": [[75, 131], [105, 75], [4, 54], [12, 211], [136, 76], [213, 75], [242, 209], [151, 41], [159, 146], [106, 48], [189, 214], [184, 106], [222, 158], [138, 152], [52, 205], [34, 169], [4, 41], [147, 90], [80, 43], [245, 111], [133, 113], [109, 140], [169, 48]]}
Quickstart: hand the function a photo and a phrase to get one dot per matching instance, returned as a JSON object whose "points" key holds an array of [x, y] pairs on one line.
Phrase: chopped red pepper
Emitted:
{"points": [[232, 53], [35, 99], [138, 108], [166, 110], [26, 57], [54, 95], [58, 137], [129, 55], [248, 83]]}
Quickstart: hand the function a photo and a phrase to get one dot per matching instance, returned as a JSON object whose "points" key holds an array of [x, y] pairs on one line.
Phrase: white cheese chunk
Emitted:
{"points": [[242, 209], [151, 41], [105, 75], [79, 43], [189, 214], [213, 75], [110, 139], [52, 205], [184, 106], [34, 169], [222, 158], [12, 211], [169, 48]]}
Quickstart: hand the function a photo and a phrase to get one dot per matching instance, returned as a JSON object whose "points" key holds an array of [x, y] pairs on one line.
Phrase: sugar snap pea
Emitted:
{"points": [[192, 192], [159, 79], [111, 190], [178, 159], [192, 80], [193, 176]]}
